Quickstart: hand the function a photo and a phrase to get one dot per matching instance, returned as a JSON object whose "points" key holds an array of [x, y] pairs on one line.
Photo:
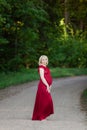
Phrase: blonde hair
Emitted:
{"points": [[40, 59]]}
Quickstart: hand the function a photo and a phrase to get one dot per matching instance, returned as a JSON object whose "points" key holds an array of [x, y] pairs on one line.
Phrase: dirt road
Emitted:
{"points": [[17, 106]]}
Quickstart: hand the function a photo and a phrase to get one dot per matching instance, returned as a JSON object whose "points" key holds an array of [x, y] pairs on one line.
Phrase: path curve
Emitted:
{"points": [[16, 108]]}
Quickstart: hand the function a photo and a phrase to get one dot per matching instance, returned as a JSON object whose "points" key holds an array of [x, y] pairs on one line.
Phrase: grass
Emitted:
{"points": [[66, 72], [84, 100], [15, 78], [84, 94], [27, 75]]}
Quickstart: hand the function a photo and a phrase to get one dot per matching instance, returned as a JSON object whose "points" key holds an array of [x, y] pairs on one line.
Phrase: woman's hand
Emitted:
{"points": [[48, 89]]}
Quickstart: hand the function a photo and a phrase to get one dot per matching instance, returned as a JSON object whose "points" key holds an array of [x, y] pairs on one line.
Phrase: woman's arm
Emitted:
{"points": [[43, 79]]}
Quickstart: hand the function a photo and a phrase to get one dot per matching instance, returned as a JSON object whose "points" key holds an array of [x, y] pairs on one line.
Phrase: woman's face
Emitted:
{"points": [[44, 60]]}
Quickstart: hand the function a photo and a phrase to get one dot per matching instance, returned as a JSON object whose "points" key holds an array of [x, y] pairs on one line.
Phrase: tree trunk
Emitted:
{"points": [[81, 25], [66, 12]]}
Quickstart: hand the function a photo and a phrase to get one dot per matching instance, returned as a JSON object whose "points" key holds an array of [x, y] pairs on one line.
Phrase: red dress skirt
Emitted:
{"points": [[43, 103]]}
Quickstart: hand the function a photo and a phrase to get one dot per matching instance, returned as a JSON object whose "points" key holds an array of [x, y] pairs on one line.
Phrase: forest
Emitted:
{"points": [[30, 28]]}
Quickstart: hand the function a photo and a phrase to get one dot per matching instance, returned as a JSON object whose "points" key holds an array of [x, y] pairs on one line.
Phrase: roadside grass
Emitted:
{"points": [[84, 101], [27, 75], [15, 78], [67, 72], [84, 95]]}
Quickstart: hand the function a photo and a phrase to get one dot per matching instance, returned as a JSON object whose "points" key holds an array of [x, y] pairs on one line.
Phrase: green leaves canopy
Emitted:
{"points": [[30, 28]]}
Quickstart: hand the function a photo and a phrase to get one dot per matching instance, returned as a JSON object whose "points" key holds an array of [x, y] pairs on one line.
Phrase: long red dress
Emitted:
{"points": [[43, 104]]}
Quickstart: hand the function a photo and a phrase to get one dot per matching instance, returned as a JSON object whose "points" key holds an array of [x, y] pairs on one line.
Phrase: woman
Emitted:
{"points": [[43, 104]]}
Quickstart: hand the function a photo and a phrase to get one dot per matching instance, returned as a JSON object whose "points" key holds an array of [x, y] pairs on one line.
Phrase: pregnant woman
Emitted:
{"points": [[43, 106]]}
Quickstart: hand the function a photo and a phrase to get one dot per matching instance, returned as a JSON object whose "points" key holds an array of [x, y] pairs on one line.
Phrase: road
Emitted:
{"points": [[16, 108]]}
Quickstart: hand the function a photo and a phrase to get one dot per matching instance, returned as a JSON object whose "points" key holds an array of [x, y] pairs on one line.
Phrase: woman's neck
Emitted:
{"points": [[43, 65]]}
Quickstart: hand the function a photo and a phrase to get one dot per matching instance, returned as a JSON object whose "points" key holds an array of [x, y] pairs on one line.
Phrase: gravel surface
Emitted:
{"points": [[16, 106]]}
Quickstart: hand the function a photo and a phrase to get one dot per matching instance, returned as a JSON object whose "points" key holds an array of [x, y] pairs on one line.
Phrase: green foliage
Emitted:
{"points": [[68, 53], [20, 27], [3, 41], [27, 75], [14, 78], [30, 28]]}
